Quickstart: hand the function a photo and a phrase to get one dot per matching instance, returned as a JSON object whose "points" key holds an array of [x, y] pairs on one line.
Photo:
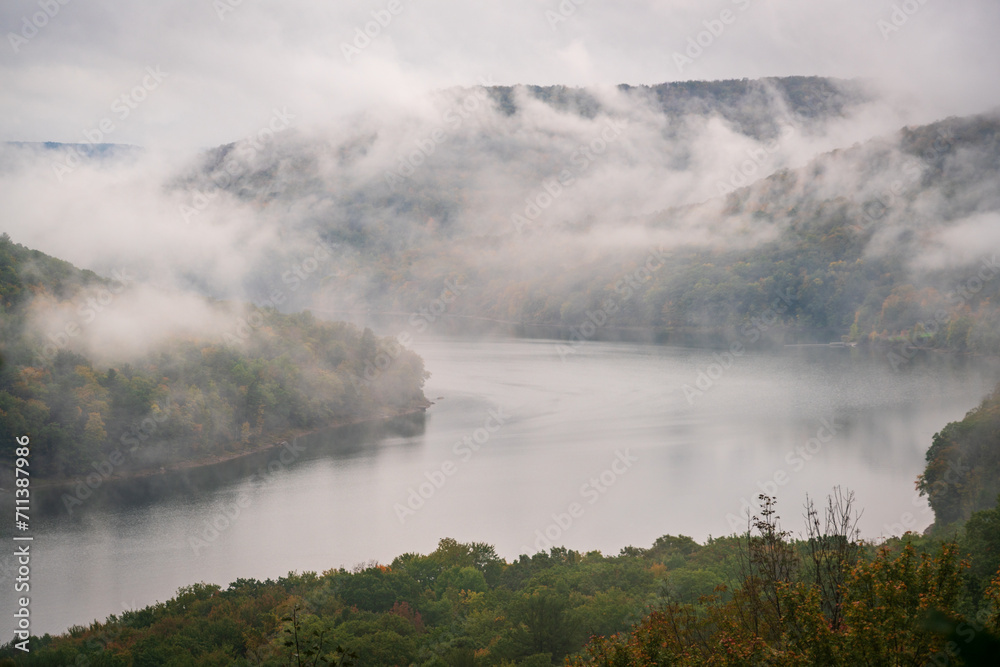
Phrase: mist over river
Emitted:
{"points": [[527, 445]]}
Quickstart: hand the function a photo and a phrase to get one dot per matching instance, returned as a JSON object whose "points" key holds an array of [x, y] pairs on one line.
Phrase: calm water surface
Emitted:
{"points": [[598, 448]]}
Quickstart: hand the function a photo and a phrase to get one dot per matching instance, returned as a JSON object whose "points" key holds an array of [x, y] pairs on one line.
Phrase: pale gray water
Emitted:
{"points": [[566, 422]]}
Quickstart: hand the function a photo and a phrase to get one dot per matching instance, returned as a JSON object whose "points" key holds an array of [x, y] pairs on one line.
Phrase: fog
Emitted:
{"points": [[706, 231], [515, 185], [229, 63], [252, 136]]}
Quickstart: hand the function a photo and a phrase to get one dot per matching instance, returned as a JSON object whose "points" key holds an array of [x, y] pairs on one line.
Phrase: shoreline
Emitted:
{"points": [[274, 443], [708, 338]]}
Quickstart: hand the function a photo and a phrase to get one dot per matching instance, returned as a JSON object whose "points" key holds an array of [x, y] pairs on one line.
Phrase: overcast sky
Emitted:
{"points": [[225, 65]]}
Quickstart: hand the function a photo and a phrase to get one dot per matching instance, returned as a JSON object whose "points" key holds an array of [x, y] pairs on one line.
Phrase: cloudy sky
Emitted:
{"points": [[223, 66]]}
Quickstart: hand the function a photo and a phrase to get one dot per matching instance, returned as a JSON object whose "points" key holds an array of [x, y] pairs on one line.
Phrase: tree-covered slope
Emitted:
{"points": [[757, 599], [184, 399], [873, 242], [963, 465]]}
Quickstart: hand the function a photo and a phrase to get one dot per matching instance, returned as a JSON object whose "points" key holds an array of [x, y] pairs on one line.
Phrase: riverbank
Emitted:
{"points": [[274, 442], [335, 504]]}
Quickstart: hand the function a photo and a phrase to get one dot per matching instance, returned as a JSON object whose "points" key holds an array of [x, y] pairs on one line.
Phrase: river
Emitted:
{"points": [[529, 443]]}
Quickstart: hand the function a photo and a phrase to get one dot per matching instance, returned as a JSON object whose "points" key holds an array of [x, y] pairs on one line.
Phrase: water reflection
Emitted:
{"points": [[343, 442], [566, 420]]}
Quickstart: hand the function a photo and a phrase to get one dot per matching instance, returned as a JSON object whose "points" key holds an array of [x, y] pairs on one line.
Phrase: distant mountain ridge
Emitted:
{"points": [[809, 97], [96, 150], [538, 200], [847, 234]]}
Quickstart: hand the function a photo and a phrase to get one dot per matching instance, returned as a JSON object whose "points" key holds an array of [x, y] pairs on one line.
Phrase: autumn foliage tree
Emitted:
{"points": [[841, 611]]}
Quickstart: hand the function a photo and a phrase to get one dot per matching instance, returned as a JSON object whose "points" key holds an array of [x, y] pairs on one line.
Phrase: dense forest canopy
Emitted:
{"points": [[684, 211], [828, 598], [184, 399], [759, 598]]}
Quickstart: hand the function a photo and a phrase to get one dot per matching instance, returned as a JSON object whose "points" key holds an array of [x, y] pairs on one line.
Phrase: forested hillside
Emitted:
{"points": [[186, 399], [963, 466], [688, 212], [757, 599], [874, 242]]}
